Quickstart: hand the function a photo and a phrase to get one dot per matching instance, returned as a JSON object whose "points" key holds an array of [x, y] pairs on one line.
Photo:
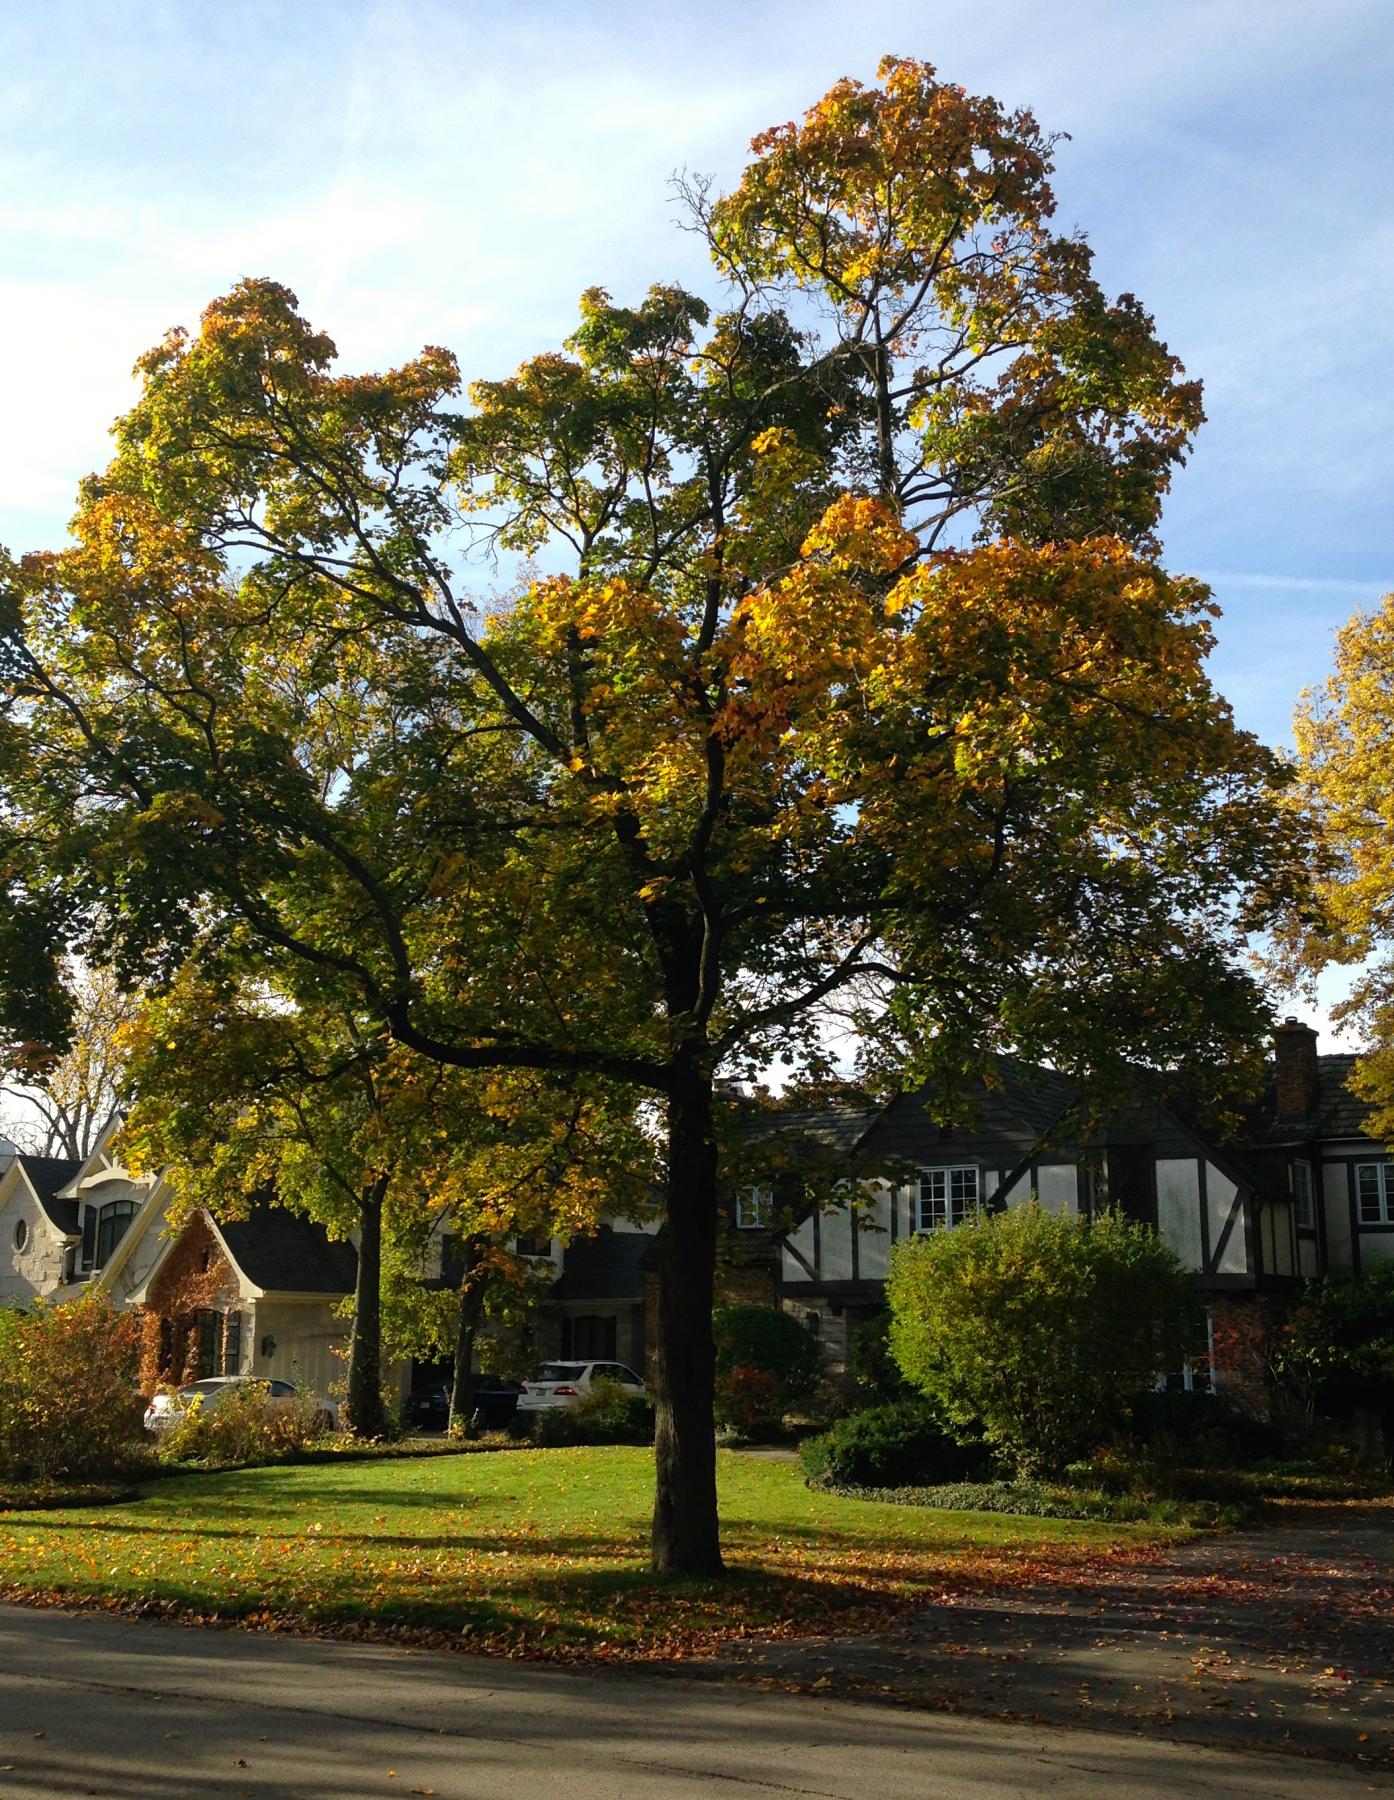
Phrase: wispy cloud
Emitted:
{"points": [[1302, 584]]}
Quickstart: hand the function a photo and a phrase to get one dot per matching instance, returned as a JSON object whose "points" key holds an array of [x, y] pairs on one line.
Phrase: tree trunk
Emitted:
{"points": [[686, 1539], [365, 1412], [471, 1305]]}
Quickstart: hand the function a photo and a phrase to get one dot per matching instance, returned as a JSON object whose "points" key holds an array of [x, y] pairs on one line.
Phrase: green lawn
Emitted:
{"points": [[526, 1551]]}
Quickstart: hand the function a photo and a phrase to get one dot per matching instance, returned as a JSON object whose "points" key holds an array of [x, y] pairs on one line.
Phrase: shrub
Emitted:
{"points": [[1200, 1428], [747, 1399], [609, 1414], [1337, 1350], [870, 1363], [766, 1362], [904, 1444], [1039, 1325], [242, 1427], [69, 1405]]}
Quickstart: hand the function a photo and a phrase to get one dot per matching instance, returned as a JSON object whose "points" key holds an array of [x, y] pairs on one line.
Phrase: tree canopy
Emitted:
{"points": [[863, 694], [1345, 799]]}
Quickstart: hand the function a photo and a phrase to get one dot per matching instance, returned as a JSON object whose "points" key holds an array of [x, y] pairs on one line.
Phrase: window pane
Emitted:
{"points": [[113, 1223], [1302, 1195], [1370, 1183], [946, 1197]]}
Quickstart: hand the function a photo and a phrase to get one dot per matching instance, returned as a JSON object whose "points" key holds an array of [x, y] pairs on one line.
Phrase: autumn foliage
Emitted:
{"points": [[69, 1405], [862, 692]]}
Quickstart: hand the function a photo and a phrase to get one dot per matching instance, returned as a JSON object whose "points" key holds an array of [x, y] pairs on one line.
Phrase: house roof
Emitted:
{"points": [[48, 1176], [281, 1252], [838, 1126], [1338, 1112], [608, 1266], [1035, 1095]]}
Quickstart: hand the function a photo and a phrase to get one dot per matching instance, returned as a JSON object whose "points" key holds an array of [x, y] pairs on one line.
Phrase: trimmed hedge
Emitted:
{"points": [[903, 1444]]}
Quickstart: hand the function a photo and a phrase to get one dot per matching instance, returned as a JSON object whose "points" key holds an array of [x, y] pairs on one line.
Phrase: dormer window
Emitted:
{"points": [[103, 1228], [754, 1209]]}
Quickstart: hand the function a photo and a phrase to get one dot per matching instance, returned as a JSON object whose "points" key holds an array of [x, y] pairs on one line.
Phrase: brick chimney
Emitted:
{"points": [[1295, 1054]]}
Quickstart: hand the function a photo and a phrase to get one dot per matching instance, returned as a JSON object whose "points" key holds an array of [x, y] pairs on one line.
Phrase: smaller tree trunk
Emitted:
{"points": [[471, 1307], [366, 1417]]}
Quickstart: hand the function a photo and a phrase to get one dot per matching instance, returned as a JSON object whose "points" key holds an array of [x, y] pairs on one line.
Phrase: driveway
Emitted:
{"points": [[128, 1710], [1281, 1637]]}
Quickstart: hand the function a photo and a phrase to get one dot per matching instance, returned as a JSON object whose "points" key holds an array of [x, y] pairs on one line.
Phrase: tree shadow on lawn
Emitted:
{"points": [[614, 1608]]}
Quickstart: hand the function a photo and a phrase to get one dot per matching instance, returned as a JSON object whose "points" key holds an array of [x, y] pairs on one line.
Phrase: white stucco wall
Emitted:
{"points": [[874, 1237], [1220, 1192], [1020, 1190], [1178, 1208], [1336, 1204], [1057, 1187], [792, 1270], [835, 1229]]}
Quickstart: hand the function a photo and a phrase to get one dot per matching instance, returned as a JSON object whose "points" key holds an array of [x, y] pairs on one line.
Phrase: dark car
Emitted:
{"points": [[495, 1402]]}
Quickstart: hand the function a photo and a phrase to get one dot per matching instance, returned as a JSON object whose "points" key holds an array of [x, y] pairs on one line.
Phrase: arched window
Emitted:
{"points": [[113, 1222]]}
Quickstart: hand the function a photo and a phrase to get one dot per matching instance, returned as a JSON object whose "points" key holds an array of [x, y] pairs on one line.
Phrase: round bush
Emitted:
{"points": [[905, 1444]]}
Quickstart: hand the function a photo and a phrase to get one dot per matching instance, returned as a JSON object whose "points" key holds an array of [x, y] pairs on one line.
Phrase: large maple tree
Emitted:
{"points": [[863, 692]]}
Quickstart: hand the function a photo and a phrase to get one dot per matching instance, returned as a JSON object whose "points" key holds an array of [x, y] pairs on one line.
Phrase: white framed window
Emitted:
{"points": [[1303, 1196], [1374, 1194], [754, 1209], [944, 1197]]}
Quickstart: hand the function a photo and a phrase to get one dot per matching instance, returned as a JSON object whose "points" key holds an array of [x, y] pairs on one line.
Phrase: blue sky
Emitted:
{"points": [[450, 172]]}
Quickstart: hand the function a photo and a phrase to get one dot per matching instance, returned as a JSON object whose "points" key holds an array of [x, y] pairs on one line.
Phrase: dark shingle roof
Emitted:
{"points": [[283, 1253], [608, 1266], [1338, 1112], [1037, 1096], [48, 1174], [837, 1126]]}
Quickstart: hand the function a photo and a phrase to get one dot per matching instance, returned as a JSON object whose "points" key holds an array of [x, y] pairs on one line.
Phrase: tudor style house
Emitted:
{"points": [[1299, 1191]]}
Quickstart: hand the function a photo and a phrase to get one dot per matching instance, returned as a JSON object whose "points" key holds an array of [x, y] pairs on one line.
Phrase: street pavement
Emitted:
{"points": [[132, 1710]]}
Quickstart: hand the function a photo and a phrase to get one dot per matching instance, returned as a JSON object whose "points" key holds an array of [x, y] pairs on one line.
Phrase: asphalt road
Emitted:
{"points": [[135, 1711]]}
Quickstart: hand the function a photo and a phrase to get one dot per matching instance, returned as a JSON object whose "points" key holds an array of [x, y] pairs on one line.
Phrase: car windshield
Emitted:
{"points": [[561, 1371]]}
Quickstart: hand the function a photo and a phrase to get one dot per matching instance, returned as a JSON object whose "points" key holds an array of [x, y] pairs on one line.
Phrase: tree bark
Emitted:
{"points": [[471, 1305], [686, 1538], [365, 1410]]}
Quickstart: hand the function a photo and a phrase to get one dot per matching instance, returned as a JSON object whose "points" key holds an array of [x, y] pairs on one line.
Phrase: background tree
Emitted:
{"points": [[71, 1095], [246, 1091], [864, 689], [1345, 802]]}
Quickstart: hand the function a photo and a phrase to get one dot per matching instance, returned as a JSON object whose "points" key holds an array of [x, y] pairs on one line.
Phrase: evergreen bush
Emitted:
{"points": [[906, 1443]]}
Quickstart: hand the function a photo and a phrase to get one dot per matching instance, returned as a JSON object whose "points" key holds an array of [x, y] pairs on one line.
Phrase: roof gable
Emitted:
{"points": [[47, 1177]]}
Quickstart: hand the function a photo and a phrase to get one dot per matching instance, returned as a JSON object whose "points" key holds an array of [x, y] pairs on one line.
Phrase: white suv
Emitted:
{"points": [[568, 1383], [167, 1409]]}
